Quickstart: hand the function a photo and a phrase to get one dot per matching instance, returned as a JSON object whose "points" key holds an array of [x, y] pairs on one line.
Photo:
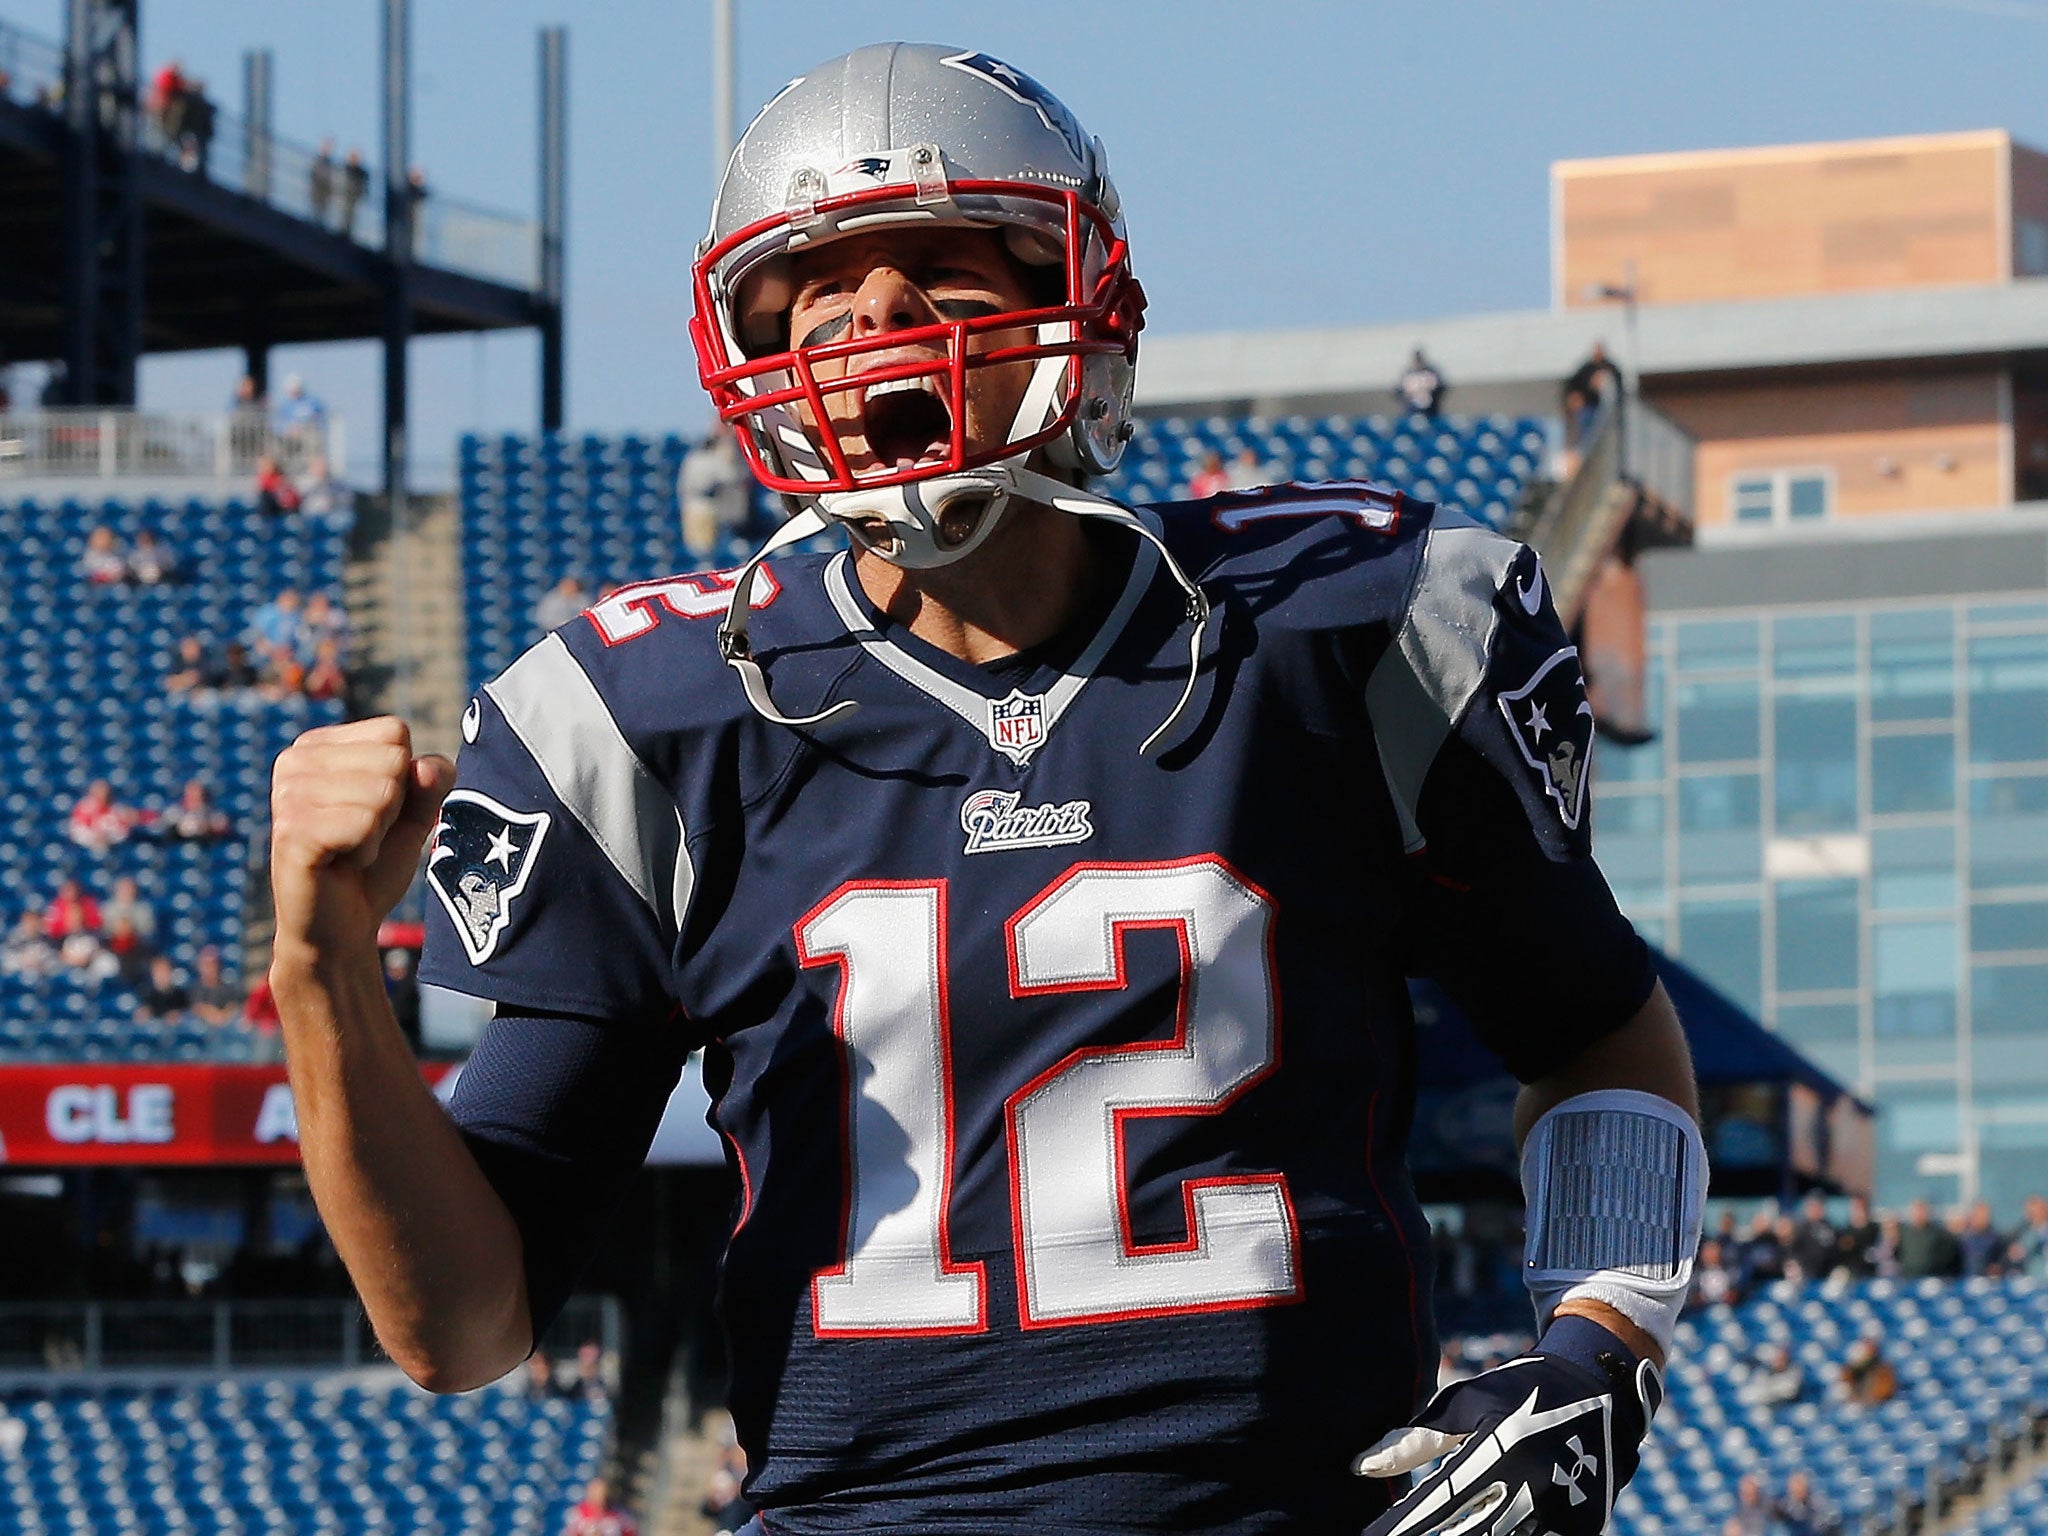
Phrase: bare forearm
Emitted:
{"points": [[432, 1249]]}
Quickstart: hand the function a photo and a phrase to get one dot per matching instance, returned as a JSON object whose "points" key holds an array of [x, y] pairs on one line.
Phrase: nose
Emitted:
{"points": [[889, 301]]}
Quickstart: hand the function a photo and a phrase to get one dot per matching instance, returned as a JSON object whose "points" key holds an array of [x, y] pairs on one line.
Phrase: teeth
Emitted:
{"points": [[923, 382]]}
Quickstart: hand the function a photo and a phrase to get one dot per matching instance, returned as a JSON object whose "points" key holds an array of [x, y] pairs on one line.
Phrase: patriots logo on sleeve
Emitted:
{"points": [[1553, 726], [479, 860]]}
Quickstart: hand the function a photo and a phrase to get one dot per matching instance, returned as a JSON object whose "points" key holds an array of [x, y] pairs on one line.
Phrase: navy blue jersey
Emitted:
{"points": [[1067, 1088]]}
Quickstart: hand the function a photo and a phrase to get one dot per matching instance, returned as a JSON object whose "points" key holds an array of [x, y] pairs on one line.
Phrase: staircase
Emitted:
{"points": [[404, 595]]}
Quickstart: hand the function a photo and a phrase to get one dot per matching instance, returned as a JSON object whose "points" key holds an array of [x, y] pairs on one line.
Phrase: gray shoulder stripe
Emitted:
{"points": [[1428, 676], [558, 715]]}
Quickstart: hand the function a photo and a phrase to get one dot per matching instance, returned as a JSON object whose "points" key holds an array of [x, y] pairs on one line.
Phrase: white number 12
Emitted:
{"points": [[1077, 1261]]}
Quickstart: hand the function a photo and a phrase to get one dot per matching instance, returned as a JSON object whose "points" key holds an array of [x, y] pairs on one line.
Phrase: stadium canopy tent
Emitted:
{"points": [[1776, 1124]]}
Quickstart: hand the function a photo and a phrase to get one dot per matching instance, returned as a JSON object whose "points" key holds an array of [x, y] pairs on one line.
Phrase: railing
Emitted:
{"points": [[1656, 457], [89, 441], [76, 1336], [290, 177]]}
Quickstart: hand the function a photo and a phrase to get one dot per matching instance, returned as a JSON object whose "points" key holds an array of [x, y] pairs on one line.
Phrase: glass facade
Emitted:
{"points": [[1843, 823]]}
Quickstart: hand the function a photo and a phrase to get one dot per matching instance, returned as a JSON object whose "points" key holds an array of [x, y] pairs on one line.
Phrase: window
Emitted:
{"points": [[1912, 665], [1719, 836], [1781, 496], [2009, 698], [2001, 926], [1912, 773], [1913, 867], [1814, 646], [1723, 941], [1815, 771], [1914, 971], [1717, 722], [1628, 839], [1817, 947], [2009, 999], [2008, 831], [1714, 645]]}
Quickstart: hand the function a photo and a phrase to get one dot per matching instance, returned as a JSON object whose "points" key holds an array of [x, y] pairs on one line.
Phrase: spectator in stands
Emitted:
{"points": [[724, 1506], [1421, 389], [1884, 1256], [237, 674], [163, 995], [322, 618], [278, 629], [1715, 1280], [248, 398], [1926, 1247], [165, 86], [567, 598], [715, 489], [70, 911], [195, 132], [592, 1381], [416, 208], [321, 495], [189, 668], [1775, 1380], [597, 1515], [541, 1385], [300, 417], [275, 494], [97, 822], [259, 1008], [84, 956], [1981, 1245], [103, 563], [320, 181], [2029, 1255], [1592, 384], [1812, 1246], [355, 182], [125, 903], [151, 561], [1247, 470], [195, 818], [1752, 1515], [130, 953], [1856, 1241], [215, 999], [1867, 1375], [325, 677], [1211, 479], [25, 951], [1763, 1251], [1801, 1512]]}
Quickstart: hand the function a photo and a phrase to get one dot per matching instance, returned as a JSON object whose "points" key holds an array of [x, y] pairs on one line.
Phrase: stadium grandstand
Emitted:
{"points": [[1799, 527]]}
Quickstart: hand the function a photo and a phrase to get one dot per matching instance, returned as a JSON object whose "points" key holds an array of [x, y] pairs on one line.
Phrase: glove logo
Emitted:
{"points": [[1584, 1464], [478, 861]]}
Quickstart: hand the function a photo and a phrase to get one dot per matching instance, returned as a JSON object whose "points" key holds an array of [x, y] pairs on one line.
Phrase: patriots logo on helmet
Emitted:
{"points": [[1018, 86], [875, 167], [1553, 726], [480, 858]]}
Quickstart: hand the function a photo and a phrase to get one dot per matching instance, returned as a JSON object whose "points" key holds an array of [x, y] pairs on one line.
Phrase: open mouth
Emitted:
{"points": [[906, 422]]}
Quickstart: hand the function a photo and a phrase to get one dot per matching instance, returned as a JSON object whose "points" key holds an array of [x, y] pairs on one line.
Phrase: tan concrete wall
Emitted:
{"points": [[1789, 220], [1917, 444]]}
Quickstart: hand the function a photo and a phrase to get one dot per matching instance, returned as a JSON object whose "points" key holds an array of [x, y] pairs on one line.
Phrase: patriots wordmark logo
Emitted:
{"points": [[1016, 725], [1018, 86], [993, 820], [480, 858], [1583, 1464], [1553, 727]]}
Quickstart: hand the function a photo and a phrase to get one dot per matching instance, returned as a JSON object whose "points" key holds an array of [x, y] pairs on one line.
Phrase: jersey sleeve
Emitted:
{"points": [[1485, 736], [559, 873]]}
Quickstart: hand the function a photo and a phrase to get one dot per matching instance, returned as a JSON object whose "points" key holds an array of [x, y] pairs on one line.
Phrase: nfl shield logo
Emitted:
{"points": [[1016, 725]]}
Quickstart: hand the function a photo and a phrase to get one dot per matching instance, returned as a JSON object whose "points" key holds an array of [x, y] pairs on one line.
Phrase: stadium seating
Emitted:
{"points": [[82, 697], [308, 1459], [1972, 1362], [2022, 1511], [535, 509]]}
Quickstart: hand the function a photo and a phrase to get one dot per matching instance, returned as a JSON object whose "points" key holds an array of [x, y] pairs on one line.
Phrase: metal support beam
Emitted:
{"points": [[102, 205], [398, 240], [256, 73], [554, 201], [721, 88]]}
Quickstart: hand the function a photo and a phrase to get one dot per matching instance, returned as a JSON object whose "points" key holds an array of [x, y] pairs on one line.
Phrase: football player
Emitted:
{"points": [[1040, 877]]}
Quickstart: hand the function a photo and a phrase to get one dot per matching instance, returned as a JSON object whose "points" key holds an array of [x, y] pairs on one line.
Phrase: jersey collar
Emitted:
{"points": [[1016, 723]]}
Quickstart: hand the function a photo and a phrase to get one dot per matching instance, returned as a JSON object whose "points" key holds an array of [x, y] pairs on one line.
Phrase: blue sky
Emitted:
{"points": [[1284, 163]]}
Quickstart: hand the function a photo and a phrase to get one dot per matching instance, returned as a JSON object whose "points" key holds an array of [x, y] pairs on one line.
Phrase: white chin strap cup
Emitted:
{"points": [[914, 513]]}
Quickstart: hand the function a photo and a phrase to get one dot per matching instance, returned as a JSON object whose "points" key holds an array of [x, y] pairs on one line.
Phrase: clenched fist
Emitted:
{"points": [[350, 807]]}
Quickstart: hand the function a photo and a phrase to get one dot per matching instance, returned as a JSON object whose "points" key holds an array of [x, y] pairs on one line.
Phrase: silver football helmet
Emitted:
{"points": [[916, 135]]}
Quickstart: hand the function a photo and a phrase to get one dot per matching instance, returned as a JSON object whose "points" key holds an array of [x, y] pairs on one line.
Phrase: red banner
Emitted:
{"points": [[189, 1114]]}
